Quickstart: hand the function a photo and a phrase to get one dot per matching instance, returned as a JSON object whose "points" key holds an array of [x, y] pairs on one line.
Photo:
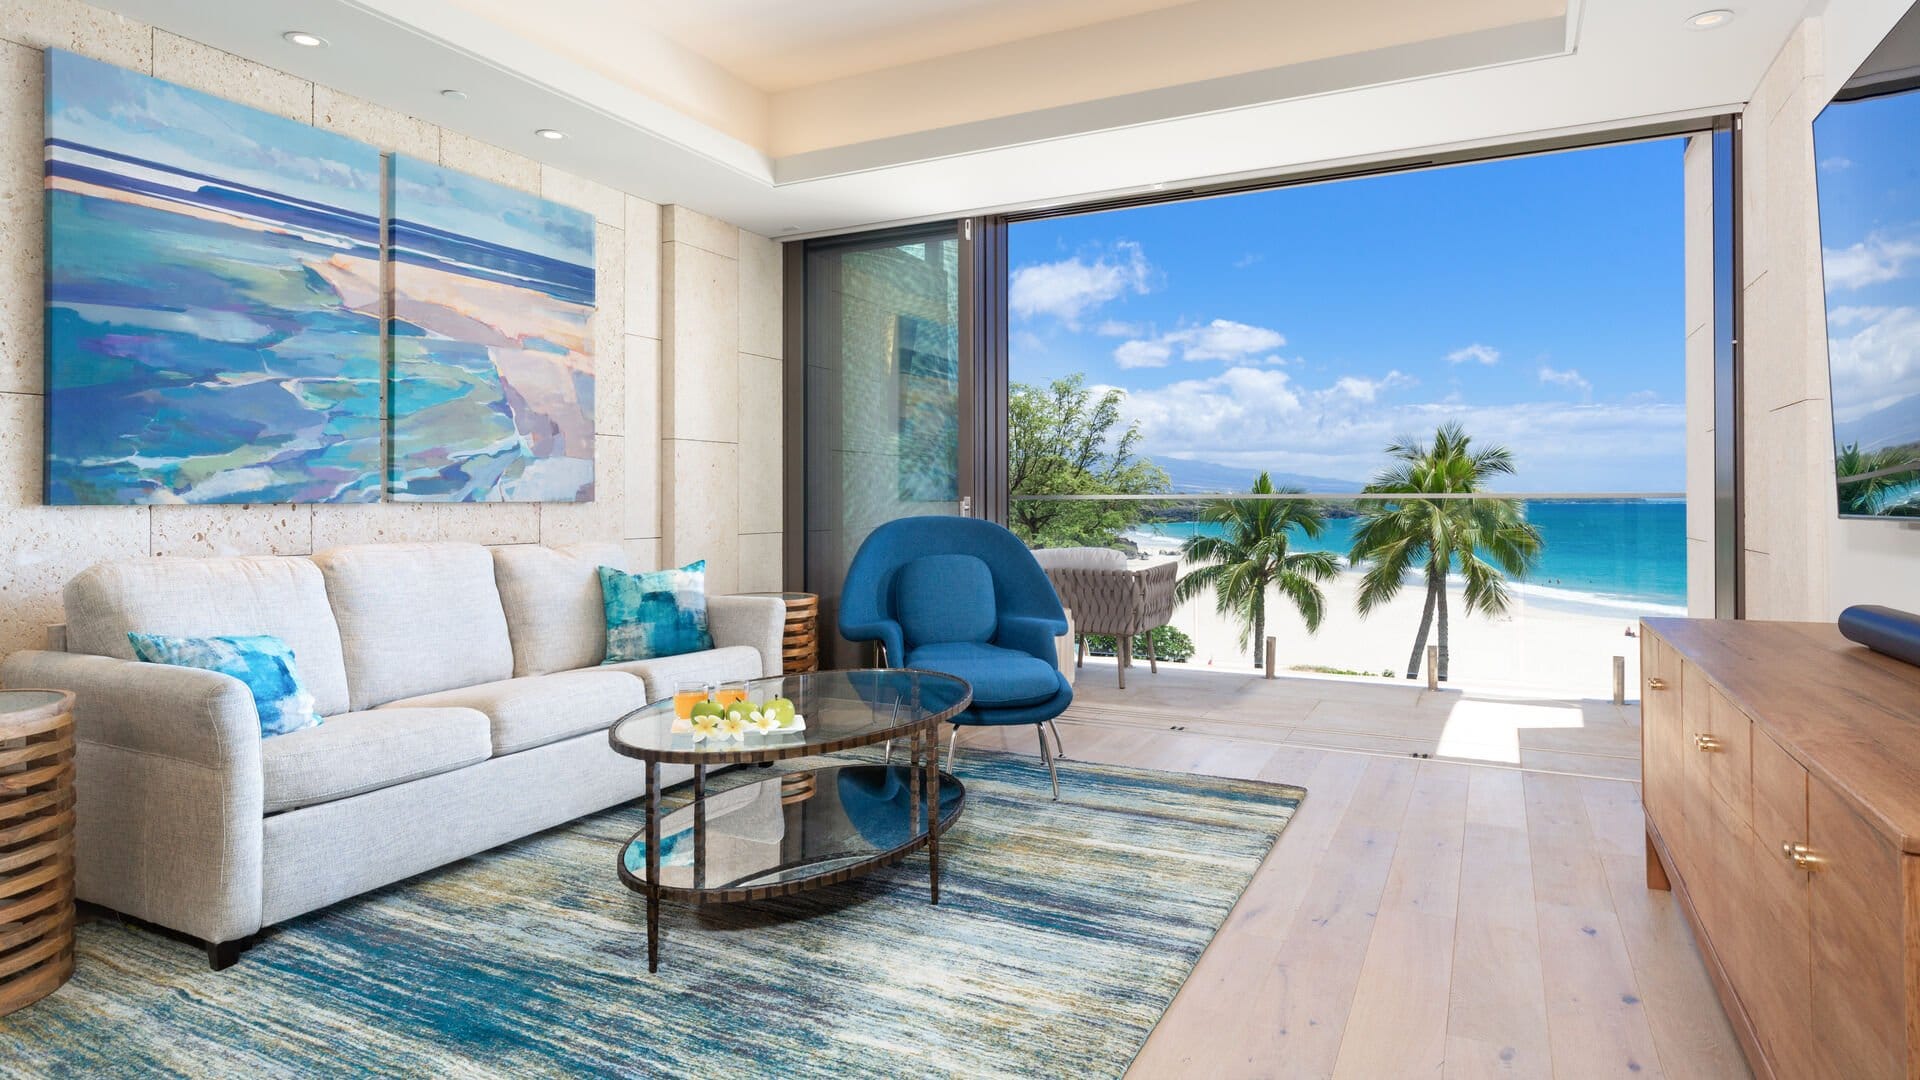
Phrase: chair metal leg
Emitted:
{"points": [[1153, 662], [953, 743], [888, 760], [1080, 650], [1047, 756], [1122, 655], [1059, 748]]}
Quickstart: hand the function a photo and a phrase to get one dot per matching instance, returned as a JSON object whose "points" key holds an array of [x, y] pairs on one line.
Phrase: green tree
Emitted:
{"points": [[1061, 440], [1252, 556], [1869, 496], [1484, 538]]}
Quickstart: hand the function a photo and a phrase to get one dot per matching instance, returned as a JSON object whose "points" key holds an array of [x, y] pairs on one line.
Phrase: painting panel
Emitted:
{"points": [[928, 354], [491, 333], [213, 300]]}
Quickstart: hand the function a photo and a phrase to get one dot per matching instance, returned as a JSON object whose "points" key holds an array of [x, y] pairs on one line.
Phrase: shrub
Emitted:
{"points": [[1169, 643]]}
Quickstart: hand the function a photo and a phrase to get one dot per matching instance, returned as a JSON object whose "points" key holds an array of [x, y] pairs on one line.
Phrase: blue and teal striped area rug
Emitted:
{"points": [[1063, 931]]}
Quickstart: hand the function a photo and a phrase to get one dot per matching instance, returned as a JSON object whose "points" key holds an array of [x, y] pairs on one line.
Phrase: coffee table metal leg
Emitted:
{"points": [[699, 826], [933, 810], [653, 865]]}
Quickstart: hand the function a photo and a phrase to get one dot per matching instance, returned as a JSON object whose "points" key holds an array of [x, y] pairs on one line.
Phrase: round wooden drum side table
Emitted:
{"points": [[800, 640], [36, 845]]}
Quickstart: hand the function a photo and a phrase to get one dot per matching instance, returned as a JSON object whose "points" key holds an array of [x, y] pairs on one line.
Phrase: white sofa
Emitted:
{"points": [[464, 700]]}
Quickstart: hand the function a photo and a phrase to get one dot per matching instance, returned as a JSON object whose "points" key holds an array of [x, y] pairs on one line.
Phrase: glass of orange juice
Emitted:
{"points": [[688, 694], [731, 692]]}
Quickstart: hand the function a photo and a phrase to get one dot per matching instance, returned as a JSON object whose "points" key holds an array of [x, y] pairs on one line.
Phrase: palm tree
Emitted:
{"points": [[1395, 537], [1253, 556], [1869, 496]]}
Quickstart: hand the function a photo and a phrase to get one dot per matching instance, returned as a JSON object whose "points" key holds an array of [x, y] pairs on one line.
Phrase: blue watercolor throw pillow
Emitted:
{"points": [[663, 613], [261, 661]]}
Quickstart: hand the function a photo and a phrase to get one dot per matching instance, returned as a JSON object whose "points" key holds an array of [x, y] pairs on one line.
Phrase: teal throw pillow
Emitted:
{"points": [[663, 613], [261, 661]]}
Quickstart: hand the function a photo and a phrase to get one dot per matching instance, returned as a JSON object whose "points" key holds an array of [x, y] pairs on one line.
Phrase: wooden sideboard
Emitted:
{"points": [[1781, 779]]}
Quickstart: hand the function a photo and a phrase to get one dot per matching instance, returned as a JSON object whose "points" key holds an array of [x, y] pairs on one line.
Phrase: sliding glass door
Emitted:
{"points": [[888, 426]]}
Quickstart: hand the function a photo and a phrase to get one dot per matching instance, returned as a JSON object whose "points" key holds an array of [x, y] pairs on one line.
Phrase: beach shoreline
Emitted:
{"points": [[1558, 641]]}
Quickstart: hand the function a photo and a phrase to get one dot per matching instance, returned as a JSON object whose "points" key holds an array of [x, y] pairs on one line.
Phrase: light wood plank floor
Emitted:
{"points": [[1481, 912]]}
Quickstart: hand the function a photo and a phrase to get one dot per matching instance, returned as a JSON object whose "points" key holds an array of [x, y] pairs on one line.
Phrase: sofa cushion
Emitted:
{"points": [[1001, 678], [551, 595], [655, 614], [539, 709], [261, 661], [1080, 558], [662, 674], [416, 618], [354, 753], [944, 598], [282, 597]]}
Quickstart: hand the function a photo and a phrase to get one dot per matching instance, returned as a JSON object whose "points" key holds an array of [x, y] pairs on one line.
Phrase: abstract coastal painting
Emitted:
{"points": [[491, 384], [213, 299]]}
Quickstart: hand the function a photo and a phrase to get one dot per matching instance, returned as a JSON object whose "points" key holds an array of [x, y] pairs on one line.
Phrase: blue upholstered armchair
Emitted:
{"points": [[964, 597]]}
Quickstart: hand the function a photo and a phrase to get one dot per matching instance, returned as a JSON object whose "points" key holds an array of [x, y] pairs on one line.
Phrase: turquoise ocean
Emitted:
{"points": [[1626, 557]]}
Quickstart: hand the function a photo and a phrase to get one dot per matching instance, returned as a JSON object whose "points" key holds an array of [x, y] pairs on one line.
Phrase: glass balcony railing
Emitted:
{"points": [[1538, 593]]}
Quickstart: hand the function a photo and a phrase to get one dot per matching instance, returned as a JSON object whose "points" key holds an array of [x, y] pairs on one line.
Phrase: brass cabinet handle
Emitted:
{"points": [[1802, 856], [1706, 744], [1655, 682]]}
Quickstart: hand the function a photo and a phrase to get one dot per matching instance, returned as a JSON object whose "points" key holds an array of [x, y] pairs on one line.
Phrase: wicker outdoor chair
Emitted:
{"points": [[1107, 598]]}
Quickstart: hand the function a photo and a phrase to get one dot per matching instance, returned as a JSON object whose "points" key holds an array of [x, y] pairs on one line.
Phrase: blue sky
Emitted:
{"points": [[1869, 171], [1539, 300]]}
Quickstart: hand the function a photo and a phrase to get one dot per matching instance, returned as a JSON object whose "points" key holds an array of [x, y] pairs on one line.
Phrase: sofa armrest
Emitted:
{"points": [[169, 793], [1157, 595], [758, 621], [1037, 637], [200, 717]]}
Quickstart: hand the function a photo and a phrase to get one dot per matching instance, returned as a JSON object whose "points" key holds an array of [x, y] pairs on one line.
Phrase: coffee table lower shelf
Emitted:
{"points": [[789, 833]]}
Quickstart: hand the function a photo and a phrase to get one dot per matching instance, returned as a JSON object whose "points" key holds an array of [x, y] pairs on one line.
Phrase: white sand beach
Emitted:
{"points": [[1548, 642]]}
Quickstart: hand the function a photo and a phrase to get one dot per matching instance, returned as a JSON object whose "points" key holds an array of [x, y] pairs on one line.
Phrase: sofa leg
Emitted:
{"points": [[1080, 651], [1122, 656], [222, 955], [1153, 662]]}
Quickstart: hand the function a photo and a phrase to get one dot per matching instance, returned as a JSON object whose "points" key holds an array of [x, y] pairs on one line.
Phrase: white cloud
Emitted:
{"points": [[1368, 390], [1835, 164], [1876, 365], [1484, 354], [1221, 339], [1139, 354], [1876, 259], [1569, 377], [1262, 418], [1854, 315], [1116, 328], [1247, 260], [1070, 288]]}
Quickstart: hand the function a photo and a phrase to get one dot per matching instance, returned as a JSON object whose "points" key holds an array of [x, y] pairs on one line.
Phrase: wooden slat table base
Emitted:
{"points": [[36, 848], [800, 644]]}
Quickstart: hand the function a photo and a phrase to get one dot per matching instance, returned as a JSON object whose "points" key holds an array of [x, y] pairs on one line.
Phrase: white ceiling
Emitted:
{"points": [[850, 117]]}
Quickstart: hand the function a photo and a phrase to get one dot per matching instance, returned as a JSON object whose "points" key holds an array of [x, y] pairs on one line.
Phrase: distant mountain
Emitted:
{"points": [[1893, 425], [1208, 477]]}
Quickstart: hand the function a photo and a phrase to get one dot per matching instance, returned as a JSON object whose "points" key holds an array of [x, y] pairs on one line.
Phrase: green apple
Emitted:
{"points": [[707, 708], [782, 710]]}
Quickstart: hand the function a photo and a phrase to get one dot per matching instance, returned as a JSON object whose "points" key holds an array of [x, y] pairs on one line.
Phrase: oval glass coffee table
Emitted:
{"points": [[804, 828]]}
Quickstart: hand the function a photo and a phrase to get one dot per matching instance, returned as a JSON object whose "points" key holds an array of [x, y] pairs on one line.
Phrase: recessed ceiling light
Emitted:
{"points": [[454, 95], [304, 39], [1708, 20], [551, 133], [1157, 187]]}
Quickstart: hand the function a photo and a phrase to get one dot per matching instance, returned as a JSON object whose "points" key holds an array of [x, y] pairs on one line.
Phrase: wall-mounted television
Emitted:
{"points": [[1867, 154]]}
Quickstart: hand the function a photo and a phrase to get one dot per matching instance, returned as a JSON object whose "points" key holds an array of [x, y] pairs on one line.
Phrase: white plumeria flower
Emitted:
{"points": [[763, 721], [705, 727], [734, 726]]}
